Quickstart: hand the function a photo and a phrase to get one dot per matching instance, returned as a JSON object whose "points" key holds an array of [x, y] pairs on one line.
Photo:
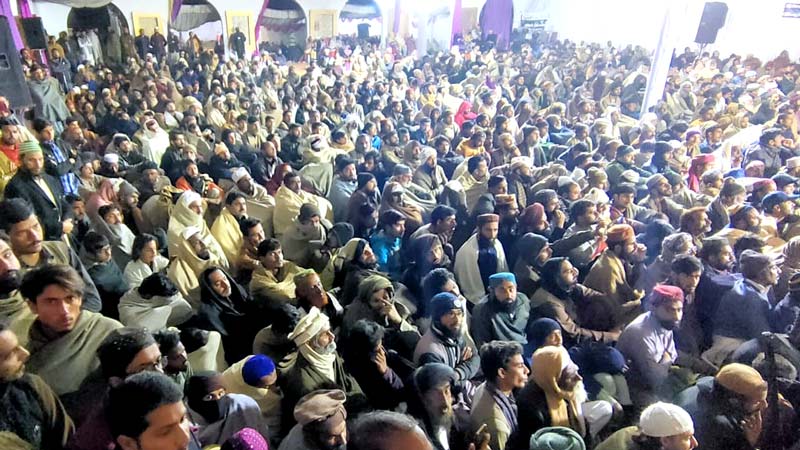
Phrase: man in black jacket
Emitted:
{"points": [[42, 191]]}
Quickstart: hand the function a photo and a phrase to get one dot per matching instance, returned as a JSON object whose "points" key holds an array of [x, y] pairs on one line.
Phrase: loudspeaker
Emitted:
{"points": [[363, 30], [714, 14], [12, 80], [35, 37]]}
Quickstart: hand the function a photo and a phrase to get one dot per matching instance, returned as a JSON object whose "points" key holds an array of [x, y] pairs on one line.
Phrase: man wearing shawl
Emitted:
{"points": [[272, 283], [366, 195], [475, 180], [290, 198], [501, 315], [343, 186], [47, 97], [155, 304], [255, 376], [314, 365], [9, 151], [13, 309], [494, 404], [396, 197], [480, 257], [219, 414], [225, 228], [321, 424], [64, 339], [192, 258], [429, 175], [533, 251], [305, 237], [188, 212]]}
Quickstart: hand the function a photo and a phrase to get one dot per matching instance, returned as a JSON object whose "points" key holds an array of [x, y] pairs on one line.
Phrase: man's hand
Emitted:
{"points": [[67, 226], [380, 360], [390, 312], [481, 439], [752, 426], [559, 218], [467, 355]]}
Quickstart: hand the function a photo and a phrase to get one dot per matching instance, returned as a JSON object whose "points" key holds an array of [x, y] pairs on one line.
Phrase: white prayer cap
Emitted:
{"points": [[665, 419], [426, 153], [631, 176], [596, 196], [189, 232], [238, 173], [111, 158], [189, 197], [309, 326], [791, 163]]}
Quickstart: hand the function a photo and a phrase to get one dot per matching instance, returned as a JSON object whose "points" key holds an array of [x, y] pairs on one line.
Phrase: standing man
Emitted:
{"points": [[159, 45], [48, 100], [238, 40], [142, 43]]}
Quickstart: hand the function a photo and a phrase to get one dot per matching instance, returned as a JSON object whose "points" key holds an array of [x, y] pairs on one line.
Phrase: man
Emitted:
{"points": [[290, 147], [585, 219], [32, 413], [315, 365], [321, 422], [255, 376], [42, 191], [303, 240], [480, 257], [225, 228], [387, 242], [387, 430], [273, 282], [497, 185], [778, 215], [519, 178], [142, 43], [770, 152], [494, 405], [474, 180], [433, 404], [309, 293], [342, 188], [429, 175], [648, 345], [146, 412], [290, 198], [13, 310], [159, 45], [658, 199], [609, 274], [624, 210], [695, 222], [10, 139], [744, 311], [717, 279], [64, 339], [176, 365], [443, 224], [247, 259], [257, 197], [727, 409], [446, 340], [24, 230], [125, 351], [661, 425], [358, 262], [48, 100], [502, 314], [173, 155], [624, 161], [265, 163], [255, 137]]}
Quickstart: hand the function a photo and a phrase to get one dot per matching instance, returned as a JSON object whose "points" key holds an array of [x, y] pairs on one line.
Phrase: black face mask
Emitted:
{"points": [[9, 283], [214, 410]]}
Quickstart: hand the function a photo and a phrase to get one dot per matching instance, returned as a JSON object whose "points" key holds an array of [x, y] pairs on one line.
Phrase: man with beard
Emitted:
{"points": [[173, 155], [42, 191], [315, 365], [446, 342], [745, 219], [695, 222], [519, 178], [743, 312], [265, 163], [176, 365], [247, 260], [309, 293], [321, 422], [717, 278], [506, 207], [480, 257], [26, 240], [624, 161], [502, 314], [610, 272], [486, 203], [272, 283], [303, 239], [148, 182], [533, 251], [778, 216], [255, 194], [33, 417], [225, 228], [154, 140], [366, 195], [13, 310], [443, 224], [658, 199], [342, 188], [585, 231], [290, 147], [358, 262], [494, 406], [9, 150], [648, 344], [429, 175]]}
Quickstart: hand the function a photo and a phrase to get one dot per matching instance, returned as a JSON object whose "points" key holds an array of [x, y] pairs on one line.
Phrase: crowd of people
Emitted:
{"points": [[374, 249]]}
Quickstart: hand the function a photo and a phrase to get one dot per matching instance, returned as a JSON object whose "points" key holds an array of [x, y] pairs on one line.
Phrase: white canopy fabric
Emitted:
{"points": [[81, 3], [351, 11], [193, 16]]}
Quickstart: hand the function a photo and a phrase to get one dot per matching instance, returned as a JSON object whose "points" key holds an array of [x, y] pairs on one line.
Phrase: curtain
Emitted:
{"points": [[397, 12], [175, 9], [498, 17], [193, 16], [24, 9], [457, 13], [264, 7], [5, 10]]}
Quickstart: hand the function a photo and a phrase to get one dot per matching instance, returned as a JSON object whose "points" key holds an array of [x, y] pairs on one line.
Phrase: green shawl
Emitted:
{"points": [[16, 311]]}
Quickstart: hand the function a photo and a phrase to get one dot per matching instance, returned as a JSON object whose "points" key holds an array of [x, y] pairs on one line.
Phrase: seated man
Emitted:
{"points": [[64, 339], [494, 405], [661, 425], [481, 256], [13, 310], [303, 239], [105, 273], [154, 305], [387, 242], [321, 422], [24, 393], [191, 259], [309, 293], [255, 376], [26, 237], [225, 228], [314, 366], [177, 365], [290, 198], [502, 314], [272, 283], [247, 259]]}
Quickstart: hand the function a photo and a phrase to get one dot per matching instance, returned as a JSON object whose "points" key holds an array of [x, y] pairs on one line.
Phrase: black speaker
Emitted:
{"points": [[35, 37], [713, 19], [363, 30], [12, 80]]}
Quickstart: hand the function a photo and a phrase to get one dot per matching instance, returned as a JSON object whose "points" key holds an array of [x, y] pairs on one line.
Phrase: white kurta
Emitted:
{"points": [[467, 272]]}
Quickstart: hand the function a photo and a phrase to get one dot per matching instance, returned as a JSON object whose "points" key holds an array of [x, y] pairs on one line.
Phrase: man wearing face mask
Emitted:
{"points": [[314, 365], [218, 414], [649, 346], [12, 306], [321, 422]]}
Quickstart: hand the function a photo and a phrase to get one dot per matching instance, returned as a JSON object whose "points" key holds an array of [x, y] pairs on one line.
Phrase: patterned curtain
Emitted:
{"points": [[264, 7]]}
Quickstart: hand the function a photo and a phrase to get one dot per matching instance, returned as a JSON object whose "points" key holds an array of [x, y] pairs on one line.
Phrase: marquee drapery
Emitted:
{"points": [[24, 9], [264, 7], [351, 11], [79, 3], [282, 21], [456, 21], [5, 10], [497, 17], [193, 16], [175, 9]]}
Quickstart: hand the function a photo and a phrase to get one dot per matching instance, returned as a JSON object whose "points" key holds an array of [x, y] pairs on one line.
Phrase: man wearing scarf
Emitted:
{"points": [[480, 257], [255, 376], [290, 198], [494, 405], [429, 175], [64, 339], [9, 150], [446, 341], [314, 365], [475, 180], [260, 204], [225, 228], [501, 315], [321, 422], [624, 161], [192, 257], [219, 414], [155, 304], [13, 309], [272, 283], [305, 237], [343, 186], [533, 251], [519, 178], [367, 195]]}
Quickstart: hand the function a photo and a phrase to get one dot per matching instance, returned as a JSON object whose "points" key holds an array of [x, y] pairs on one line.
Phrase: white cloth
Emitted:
{"points": [[137, 271], [153, 313], [467, 272]]}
